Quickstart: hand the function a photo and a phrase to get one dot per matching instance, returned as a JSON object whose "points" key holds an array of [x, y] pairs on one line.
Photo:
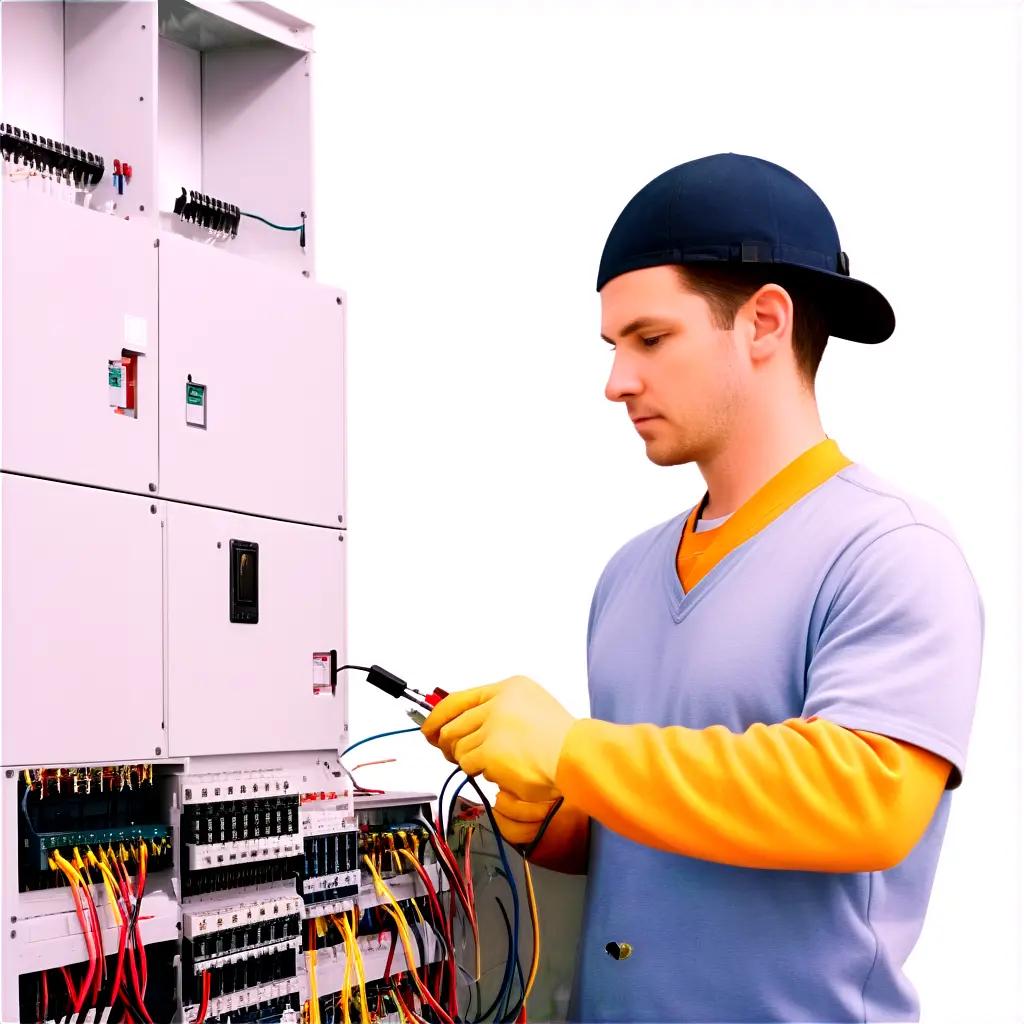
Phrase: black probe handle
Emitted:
{"points": [[386, 681]]}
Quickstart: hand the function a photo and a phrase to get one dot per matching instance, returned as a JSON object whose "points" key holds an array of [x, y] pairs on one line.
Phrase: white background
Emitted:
{"points": [[472, 158]]}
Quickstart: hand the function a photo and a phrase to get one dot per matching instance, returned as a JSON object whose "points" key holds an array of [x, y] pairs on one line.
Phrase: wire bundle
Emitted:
{"points": [[125, 898], [460, 897]]}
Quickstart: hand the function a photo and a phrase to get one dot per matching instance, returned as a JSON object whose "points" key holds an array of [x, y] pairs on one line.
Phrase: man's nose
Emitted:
{"points": [[623, 380]]}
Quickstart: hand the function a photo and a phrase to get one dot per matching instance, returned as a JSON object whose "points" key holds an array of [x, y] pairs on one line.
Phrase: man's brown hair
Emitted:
{"points": [[725, 287]]}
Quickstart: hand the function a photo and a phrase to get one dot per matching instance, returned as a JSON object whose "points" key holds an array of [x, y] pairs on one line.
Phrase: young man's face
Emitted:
{"points": [[691, 380]]}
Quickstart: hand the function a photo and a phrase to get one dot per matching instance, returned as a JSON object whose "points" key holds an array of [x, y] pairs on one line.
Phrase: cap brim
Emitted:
{"points": [[853, 309]]}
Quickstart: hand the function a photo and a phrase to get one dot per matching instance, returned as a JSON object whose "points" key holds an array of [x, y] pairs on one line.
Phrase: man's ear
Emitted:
{"points": [[770, 311]]}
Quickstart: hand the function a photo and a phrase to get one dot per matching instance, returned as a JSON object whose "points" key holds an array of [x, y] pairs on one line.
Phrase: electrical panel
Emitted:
{"points": [[266, 353], [181, 841], [79, 295], [82, 621], [249, 600]]}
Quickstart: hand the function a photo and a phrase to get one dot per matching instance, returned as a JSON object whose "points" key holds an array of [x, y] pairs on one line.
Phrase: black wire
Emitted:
{"points": [[440, 805], [528, 850], [361, 668]]}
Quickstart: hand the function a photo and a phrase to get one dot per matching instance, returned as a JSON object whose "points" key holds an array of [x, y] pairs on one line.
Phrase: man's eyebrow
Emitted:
{"points": [[633, 326]]}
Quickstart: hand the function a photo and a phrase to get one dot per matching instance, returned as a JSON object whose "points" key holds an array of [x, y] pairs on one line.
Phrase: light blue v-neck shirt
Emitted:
{"points": [[856, 605]]}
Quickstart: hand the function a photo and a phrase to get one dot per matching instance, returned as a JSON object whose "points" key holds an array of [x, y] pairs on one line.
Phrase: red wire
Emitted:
{"points": [[72, 991], [46, 996], [119, 973], [86, 932], [141, 886], [101, 972], [408, 1009], [391, 953], [206, 998], [125, 883]]}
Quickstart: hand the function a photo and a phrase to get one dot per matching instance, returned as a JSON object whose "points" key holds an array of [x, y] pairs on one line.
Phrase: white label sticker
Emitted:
{"points": [[321, 673], [135, 333]]}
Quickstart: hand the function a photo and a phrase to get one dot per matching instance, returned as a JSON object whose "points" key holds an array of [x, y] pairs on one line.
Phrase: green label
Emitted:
{"points": [[194, 394], [114, 376]]}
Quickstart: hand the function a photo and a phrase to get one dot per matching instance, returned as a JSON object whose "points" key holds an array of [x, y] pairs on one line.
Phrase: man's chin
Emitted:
{"points": [[662, 456]]}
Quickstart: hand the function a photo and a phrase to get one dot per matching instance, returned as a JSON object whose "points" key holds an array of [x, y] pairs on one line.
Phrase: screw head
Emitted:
{"points": [[14, 920], [10, 774], [14, 934], [140, 99], [341, 519], [152, 488], [305, 273], [341, 537], [152, 508], [157, 751], [338, 300], [142, 209], [218, 544]]}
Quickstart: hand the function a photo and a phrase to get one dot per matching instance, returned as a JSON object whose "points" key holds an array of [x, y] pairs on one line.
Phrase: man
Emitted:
{"points": [[782, 678]]}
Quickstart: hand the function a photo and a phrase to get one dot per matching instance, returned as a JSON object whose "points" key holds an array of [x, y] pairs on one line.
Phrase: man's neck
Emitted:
{"points": [[760, 451]]}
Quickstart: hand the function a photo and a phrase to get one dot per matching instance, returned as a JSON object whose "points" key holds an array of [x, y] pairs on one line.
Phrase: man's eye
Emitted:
{"points": [[651, 342]]}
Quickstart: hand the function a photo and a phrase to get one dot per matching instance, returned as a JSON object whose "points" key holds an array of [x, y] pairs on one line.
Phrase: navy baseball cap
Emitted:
{"points": [[731, 208]]}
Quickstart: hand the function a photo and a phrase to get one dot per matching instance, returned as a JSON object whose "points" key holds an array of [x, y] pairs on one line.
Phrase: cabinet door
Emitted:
{"points": [[260, 430], [249, 601], [79, 291], [82, 622]]}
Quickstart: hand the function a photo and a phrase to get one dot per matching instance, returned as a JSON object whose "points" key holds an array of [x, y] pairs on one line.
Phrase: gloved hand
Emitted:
{"points": [[519, 820], [512, 732]]}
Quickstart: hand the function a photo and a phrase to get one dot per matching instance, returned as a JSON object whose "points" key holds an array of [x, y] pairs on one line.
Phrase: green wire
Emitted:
{"points": [[280, 227]]}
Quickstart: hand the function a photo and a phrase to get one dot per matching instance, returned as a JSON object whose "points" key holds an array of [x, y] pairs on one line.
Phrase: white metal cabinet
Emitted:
{"points": [[248, 686], [266, 348], [79, 289], [82, 624]]}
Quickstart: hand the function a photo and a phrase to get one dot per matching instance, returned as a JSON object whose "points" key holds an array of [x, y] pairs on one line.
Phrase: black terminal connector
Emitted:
{"points": [[387, 681]]}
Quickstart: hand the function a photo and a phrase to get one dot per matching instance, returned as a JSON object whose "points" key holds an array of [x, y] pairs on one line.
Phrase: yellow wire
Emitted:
{"points": [[357, 958], [109, 884], [346, 987], [401, 1012], [314, 993], [532, 898], [400, 921]]}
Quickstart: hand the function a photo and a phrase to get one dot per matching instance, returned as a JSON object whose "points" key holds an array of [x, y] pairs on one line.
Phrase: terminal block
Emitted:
{"points": [[238, 833], [241, 948], [73, 811]]}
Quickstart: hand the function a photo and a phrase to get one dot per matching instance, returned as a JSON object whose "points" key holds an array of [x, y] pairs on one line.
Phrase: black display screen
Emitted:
{"points": [[245, 581], [246, 577]]}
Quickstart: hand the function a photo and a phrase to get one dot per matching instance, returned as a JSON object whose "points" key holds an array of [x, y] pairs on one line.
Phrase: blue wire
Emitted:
{"points": [[379, 736], [509, 970], [24, 810]]}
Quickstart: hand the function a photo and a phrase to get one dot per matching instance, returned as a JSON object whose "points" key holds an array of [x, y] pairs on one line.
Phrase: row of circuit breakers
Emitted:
{"points": [[253, 868]]}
